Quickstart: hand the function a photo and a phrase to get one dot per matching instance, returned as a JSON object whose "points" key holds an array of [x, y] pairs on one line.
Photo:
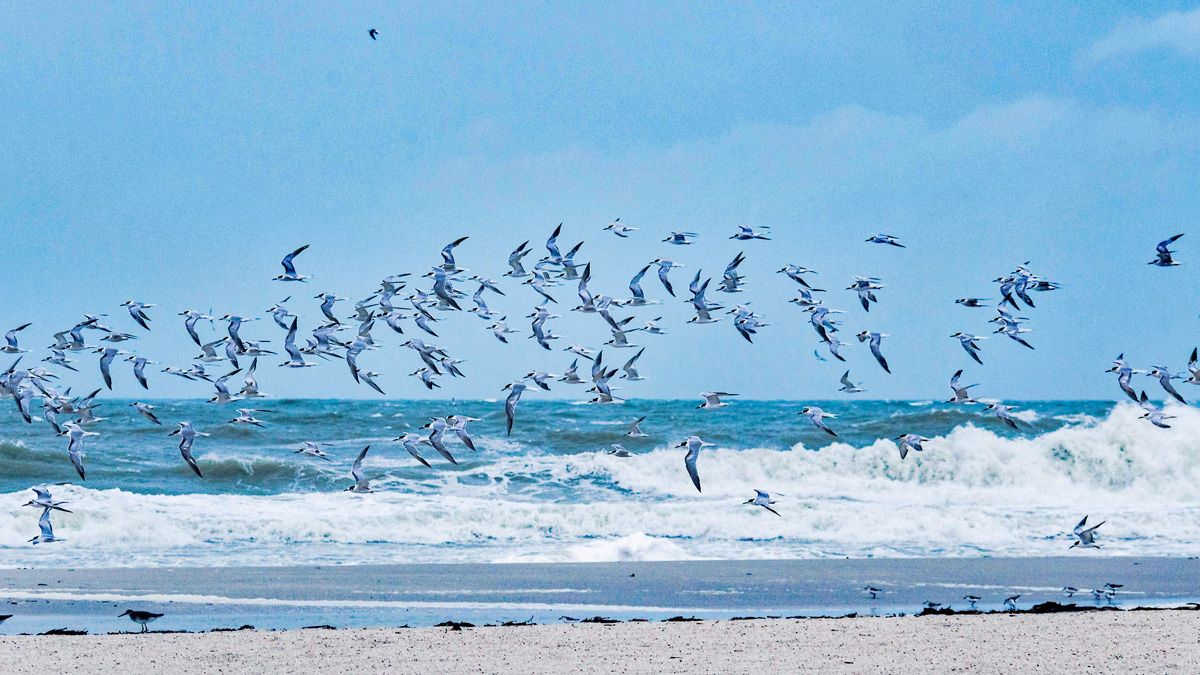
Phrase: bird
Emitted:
{"points": [[140, 617], [620, 229], [1011, 601], [514, 389], [885, 239], [817, 417], [619, 450], [1086, 535], [712, 399], [762, 499], [46, 535], [635, 429], [361, 484], [145, 410], [246, 416], [137, 312], [1002, 413], [969, 345], [972, 599], [747, 233], [314, 450], [694, 445], [289, 267], [373, 33], [1163, 253], [1069, 591], [971, 302], [1164, 378], [187, 435], [875, 340], [10, 340], [681, 238], [45, 501], [848, 386], [75, 435], [910, 442], [664, 267], [872, 591]]}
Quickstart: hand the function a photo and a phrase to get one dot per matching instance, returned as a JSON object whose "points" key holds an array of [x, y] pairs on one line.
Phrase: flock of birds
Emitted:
{"points": [[409, 311]]}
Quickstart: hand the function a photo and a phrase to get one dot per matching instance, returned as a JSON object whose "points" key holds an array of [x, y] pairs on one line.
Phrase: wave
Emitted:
{"points": [[971, 492]]}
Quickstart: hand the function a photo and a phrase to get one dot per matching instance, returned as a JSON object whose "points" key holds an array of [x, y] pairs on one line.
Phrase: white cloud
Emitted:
{"points": [[1178, 31]]}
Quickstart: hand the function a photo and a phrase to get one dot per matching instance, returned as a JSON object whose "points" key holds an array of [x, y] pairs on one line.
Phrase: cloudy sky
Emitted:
{"points": [[173, 154]]}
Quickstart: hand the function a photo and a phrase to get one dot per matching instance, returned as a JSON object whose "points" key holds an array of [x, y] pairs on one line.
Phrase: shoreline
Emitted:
{"points": [[1104, 641]]}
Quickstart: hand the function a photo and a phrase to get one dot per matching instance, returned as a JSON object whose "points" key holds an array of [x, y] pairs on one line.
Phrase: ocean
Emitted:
{"points": [[550, 493]]}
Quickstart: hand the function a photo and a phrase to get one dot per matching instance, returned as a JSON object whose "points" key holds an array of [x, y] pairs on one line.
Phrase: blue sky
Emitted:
{"points": [[173, 154]]}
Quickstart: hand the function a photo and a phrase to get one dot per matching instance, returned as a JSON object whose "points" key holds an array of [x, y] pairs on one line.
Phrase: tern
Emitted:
{"points": [[10, 339], [635, 429], [145, 410], [961, 394], [1163, 253], [1164, 378], [747, 233], [75, 435], [47, 530], [362, 484], [885, 239], [141, 618], [848, 386], [876, 339], [680, 238], [969, 345], [971, 302], [458, 424], [314, 450], [514, 389], [137, 313], [619, 450], [1086, 535], [437, 431], [246, 416], [910, 442], [45, 501], [1002, 413], [186, 436], [374, 34], [448, 255], [664, 267], [762, 499], [139, 369], [817, 417], [620, 229], [289, 267], [295, 357], [694, 445], [631, 372], [712, 399], [410, 442], [514, 261]]}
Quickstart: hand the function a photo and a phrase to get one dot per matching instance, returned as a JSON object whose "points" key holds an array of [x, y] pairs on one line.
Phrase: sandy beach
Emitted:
{"points": [[1112, 641]]}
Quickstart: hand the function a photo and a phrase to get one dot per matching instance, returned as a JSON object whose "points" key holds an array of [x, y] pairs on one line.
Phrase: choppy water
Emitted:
{"points": [[550, 493]]}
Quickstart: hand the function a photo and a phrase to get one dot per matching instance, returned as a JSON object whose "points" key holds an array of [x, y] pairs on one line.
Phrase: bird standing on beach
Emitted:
{"points": [[141, 618]]}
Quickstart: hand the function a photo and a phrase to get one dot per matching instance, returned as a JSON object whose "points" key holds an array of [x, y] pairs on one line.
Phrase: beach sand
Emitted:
{"points": [[1101, 641]]}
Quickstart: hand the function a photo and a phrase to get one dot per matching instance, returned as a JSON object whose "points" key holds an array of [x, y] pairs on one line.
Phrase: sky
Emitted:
{"points": [[173, 153]]}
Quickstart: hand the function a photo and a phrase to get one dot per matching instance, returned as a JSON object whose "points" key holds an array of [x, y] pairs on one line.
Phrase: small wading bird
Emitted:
{"points": [[141, 618]]}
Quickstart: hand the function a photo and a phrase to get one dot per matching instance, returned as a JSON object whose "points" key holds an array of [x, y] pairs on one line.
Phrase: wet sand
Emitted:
{"points": [[1102, 641]]}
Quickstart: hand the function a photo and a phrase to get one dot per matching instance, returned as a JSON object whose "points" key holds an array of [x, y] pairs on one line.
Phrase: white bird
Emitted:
{"points": [[619, 450], [817, 417], [747, 233], [145, 410], [141, 618], [969, 345], [45, 501], [137, 313], [514, 389], [246, 416], [410, 442], [10, 339], [635, 429], [848, 386], [712, 399], [314, 450], [75, 435], [764, 500], [295, 357], [187, 435], [620, 229], [875, 340], [910, 442], [1163, 253], [694, 445], [680, 238], [362, 484], [289, 267], [961, 394], [885, 239], [47, 530], [1086, 535]]}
